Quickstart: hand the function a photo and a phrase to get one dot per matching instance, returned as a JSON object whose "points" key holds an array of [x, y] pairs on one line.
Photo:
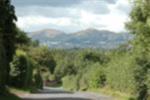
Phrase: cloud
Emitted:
{"points": [[112, 22], [28, 22], [111, 1], [35, 8], [43, 11], [54, 3], [95, 6], [123, 6], [76, 15]]}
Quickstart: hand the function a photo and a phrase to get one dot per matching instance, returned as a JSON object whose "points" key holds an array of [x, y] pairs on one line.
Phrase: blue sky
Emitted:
{"points": [[72, 15]]}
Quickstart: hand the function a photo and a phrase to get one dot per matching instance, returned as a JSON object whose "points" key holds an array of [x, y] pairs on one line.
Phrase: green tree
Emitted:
{"points": [[38, 81], [140, 27], [21, 70], [43, 57], [22, 38], [7, 38], [2, 64]]}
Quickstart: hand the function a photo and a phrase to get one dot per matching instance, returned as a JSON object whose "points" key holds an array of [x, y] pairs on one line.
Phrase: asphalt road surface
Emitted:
{"points": [[60, 94]]}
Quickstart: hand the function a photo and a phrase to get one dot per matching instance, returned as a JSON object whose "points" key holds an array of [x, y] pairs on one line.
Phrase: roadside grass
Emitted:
{"points": [[7, 95], [22, 90], [18, 90], [55, 85], [116, 94], [12, 93]]}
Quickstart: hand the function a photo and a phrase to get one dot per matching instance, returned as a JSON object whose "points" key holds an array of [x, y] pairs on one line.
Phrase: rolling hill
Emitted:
{"points": [[89, 38]]}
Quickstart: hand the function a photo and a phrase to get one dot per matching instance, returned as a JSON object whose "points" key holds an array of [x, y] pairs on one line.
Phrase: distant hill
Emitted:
{"points": [[89, 38], [91, 31], [46, 33]]}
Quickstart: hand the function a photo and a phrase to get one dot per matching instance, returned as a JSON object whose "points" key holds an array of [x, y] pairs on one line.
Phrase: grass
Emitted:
{"points": [[11, 93], [116, 94], [55, 85], [23, 90], [7, 95], [19, 91]]}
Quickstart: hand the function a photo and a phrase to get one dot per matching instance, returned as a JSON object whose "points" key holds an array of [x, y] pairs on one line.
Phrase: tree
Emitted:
{"points": [[2, 64], [21, 70], [7, 37], [140, 27], [22, 38], [43, 57]]}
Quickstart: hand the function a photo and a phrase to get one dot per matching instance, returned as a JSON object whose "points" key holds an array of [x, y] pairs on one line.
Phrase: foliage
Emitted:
{"points": [[87, 69], [115, 69], [140, 26], [22, 38], [38, 82], [2, 65], [7, 40], [96, 76], [71, 82], [119, 72], [8, 34], [21, 70], [43, 57]]}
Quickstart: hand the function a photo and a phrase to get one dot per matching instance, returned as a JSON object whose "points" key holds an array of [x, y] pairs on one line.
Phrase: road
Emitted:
{"points": [[60, 94]]}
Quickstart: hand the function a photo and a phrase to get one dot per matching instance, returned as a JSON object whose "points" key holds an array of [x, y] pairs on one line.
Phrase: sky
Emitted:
{"points": [[72, 15]]}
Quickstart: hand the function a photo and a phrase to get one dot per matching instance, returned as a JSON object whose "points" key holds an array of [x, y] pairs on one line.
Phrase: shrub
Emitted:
{"points": [[96, 76], [71, 82], [37, 80], [21, 70], [120, 73]]}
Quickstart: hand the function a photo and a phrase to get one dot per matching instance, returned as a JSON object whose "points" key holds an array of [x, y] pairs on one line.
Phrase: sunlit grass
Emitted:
{"points": [[20, 91], [117, 95]]}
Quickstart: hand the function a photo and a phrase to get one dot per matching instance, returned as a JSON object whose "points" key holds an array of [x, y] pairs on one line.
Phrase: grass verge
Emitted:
{"points": [[7, 95], [116, 94], [18, 91]]}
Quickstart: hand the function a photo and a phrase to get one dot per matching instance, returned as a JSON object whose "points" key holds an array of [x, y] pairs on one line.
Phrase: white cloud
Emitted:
{"points": [[79, 19], [114, 22], [28, 22]]}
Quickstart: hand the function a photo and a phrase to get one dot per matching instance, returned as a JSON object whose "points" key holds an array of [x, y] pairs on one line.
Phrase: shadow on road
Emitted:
{"points": [[54, 94], [53, 91], [57, 99]]}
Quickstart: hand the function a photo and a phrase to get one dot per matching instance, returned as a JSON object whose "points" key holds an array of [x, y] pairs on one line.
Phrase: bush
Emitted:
{"points": [[43, 58], [65, 67], [95, 76], [21, 70], [148, 82], [38, 82], [71, 82], [120, 73]]}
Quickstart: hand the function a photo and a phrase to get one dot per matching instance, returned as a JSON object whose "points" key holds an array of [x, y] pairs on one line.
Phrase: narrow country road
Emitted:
{"points": [[60, 94]]}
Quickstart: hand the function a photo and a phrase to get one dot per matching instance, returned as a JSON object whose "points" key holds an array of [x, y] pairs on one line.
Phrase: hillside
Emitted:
{"points": [[89, 38]]}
